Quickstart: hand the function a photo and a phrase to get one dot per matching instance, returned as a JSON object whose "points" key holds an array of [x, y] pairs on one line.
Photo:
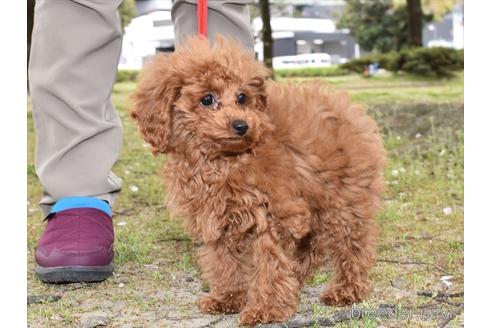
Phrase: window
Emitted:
{"points": [[164, 22]]}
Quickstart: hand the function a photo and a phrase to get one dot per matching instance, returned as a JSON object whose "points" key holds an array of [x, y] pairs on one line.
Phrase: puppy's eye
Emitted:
{"points": [[208, 100], [241, 99]]}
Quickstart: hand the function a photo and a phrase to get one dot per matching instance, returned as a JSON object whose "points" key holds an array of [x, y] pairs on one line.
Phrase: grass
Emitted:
{"points": [[421, 228], [400, 88], [333, 70]]}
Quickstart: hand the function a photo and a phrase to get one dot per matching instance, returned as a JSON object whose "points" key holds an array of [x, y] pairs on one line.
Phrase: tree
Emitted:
{"points": [[436, 9], [415, 22], [377, 25], [30, 24], [127, 11], [267, 34]]}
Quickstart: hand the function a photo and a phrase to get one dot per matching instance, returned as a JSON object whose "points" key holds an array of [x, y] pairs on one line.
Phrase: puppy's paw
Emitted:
{"points": [[341, 295], [215, 305], [251, 316]]}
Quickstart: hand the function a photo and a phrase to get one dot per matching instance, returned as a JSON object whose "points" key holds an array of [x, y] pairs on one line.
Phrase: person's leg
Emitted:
{"points": [[229, 18], [75, 50]]}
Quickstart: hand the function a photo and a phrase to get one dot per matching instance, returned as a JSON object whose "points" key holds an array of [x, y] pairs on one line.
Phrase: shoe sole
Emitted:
{"points": [[61, 275]]}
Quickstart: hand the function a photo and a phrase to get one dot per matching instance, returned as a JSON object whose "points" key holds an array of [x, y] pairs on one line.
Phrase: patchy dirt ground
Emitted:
{"points": [[418, 279]]}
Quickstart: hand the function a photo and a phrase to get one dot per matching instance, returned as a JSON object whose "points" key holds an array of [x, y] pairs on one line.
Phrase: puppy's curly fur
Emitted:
{"points": [[303, 183]]}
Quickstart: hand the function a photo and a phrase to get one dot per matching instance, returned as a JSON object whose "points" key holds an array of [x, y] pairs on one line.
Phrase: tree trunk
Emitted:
{"points": [[415, 22], [30, 23], [267, 35]]}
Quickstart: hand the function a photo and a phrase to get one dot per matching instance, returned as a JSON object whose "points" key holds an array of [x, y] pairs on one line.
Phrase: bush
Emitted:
{"points": [[430, 61], [334, 70], [419, 61], [127, 75], [461, 58]]}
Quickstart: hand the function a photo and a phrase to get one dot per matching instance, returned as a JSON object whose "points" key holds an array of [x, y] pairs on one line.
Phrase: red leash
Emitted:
{"points": [[201, 15]]}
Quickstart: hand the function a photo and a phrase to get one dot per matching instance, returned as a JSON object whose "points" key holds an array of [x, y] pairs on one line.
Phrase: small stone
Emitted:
{"points": [[122, 223], [134, 188], [445, 280], [94, 319], [447, 210], [418, 135], [121, 285]]}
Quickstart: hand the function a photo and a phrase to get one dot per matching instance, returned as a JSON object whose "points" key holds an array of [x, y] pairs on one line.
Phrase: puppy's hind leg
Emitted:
{"points": [[226, 278], [351, 243]]}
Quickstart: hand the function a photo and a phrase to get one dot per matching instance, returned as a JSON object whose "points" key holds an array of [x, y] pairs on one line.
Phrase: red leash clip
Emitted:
{"points": [[201, 15]]}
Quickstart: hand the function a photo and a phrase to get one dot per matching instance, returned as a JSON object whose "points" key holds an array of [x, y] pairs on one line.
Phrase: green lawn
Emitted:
{"points": [[389, 87], [421, 228]]}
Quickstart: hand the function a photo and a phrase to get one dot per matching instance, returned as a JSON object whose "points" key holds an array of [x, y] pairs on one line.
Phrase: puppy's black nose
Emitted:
{"points": [[240, 127]]}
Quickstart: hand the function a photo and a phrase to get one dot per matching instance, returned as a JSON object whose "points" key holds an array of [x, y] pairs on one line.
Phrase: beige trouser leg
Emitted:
{"points": [[75, 49], [229, 18]]}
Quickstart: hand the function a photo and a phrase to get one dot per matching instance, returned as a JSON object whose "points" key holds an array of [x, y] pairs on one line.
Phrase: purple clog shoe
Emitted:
{"points": [[77, 244]]}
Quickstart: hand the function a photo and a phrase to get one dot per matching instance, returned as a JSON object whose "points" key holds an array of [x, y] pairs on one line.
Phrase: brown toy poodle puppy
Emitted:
{"points": [[271, 178]]}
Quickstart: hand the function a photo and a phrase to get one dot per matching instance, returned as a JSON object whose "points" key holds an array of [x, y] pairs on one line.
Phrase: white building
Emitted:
{"points": [[310, 37], [150, 32], [312, 34], [447, 32]]}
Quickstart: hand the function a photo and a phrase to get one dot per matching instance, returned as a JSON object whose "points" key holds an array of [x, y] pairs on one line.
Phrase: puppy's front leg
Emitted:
{"points": [[273, 291], [226, 278]]}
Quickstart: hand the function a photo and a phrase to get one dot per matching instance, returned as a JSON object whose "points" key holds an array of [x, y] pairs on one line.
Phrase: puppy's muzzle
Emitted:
{"points": [[240, 127]]}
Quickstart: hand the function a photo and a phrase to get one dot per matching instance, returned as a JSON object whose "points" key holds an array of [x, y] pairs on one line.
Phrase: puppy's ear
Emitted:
{"points": [[153, 101], [258, 83]]}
